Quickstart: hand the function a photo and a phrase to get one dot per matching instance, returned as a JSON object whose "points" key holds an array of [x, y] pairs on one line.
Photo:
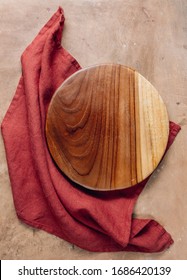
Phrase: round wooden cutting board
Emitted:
{"points": [[107, 127]]}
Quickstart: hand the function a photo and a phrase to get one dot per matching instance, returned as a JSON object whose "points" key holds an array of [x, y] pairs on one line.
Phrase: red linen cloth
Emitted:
{"points": [[43, 197]]}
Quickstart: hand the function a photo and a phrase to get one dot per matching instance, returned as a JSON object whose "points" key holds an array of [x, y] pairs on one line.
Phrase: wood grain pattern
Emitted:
{"points": [[107, 127]]}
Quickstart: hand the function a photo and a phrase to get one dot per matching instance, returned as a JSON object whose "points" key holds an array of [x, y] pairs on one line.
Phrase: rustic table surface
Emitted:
{"points": [[148, 35]]}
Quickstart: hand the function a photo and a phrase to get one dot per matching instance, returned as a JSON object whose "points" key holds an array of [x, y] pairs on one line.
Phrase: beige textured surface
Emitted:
{"points": [[149, 35]]}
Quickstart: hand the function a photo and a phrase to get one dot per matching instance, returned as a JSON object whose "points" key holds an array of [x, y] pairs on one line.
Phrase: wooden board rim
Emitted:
{"points": [[61, 86]]}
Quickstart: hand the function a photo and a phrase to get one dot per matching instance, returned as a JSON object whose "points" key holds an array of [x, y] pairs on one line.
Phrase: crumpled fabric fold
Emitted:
{"points": [[44, 198]]}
